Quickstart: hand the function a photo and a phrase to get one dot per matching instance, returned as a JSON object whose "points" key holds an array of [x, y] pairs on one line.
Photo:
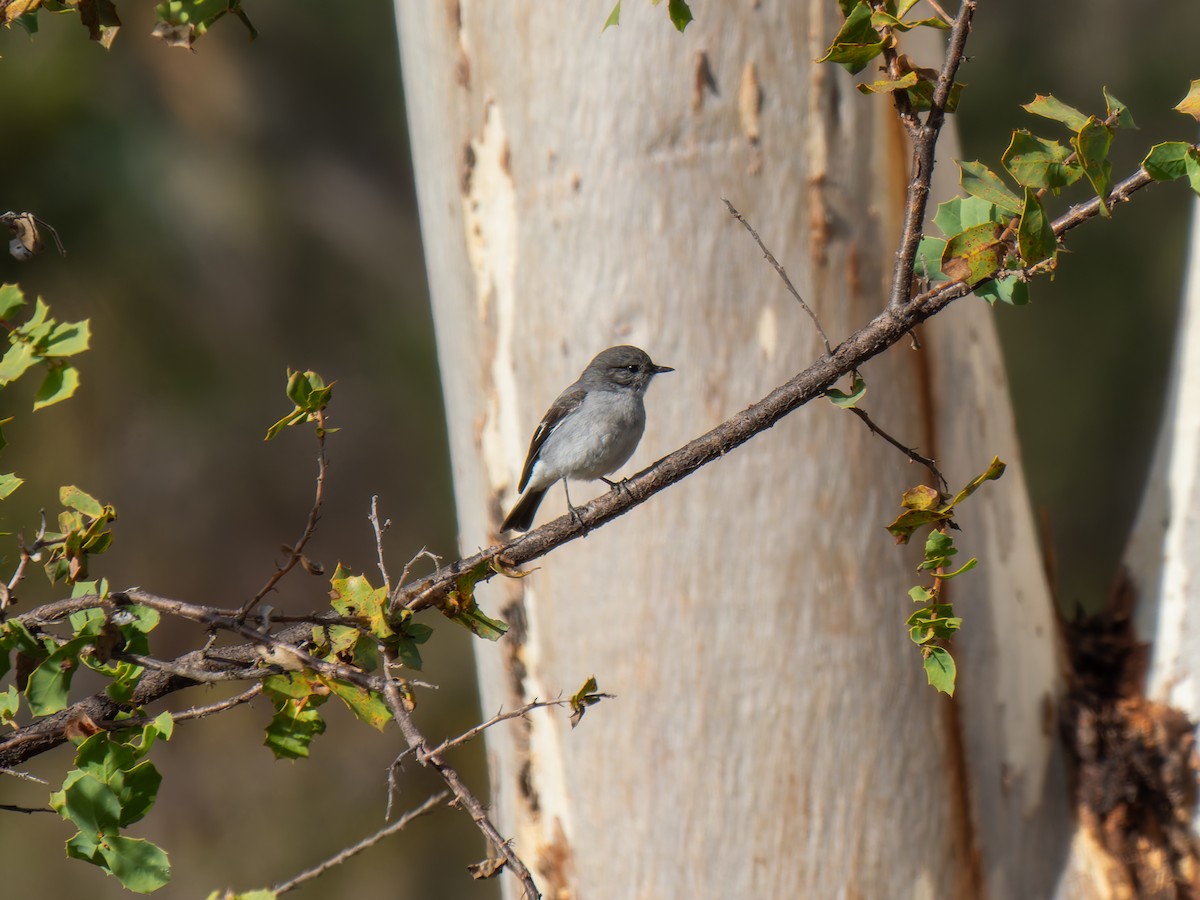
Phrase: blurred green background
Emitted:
{"points": [[248, 207]]}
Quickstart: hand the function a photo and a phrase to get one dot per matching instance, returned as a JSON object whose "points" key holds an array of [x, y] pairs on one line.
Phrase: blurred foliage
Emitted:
{"points": [[1087, 360]]}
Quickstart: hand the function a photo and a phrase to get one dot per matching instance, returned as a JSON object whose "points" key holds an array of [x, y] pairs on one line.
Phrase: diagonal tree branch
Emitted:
{"points": [[887, 328]]}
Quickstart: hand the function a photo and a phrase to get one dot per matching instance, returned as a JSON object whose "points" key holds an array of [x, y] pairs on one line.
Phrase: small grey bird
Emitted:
{"points": [[589, 431]]}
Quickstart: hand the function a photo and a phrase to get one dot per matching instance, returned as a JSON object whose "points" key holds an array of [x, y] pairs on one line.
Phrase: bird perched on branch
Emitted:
{"points": [[590, 431]]}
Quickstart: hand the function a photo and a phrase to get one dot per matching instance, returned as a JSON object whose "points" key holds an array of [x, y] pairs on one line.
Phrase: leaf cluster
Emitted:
{"points": [[177, 22], [932, 625], [1000, 227]]}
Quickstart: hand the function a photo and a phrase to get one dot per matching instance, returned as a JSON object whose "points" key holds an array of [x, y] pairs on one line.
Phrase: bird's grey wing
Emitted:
{"points": [[568, 401]]}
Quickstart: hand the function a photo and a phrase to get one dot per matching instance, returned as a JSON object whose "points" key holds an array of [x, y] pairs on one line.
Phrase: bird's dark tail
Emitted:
{"points": [[521, 517]]}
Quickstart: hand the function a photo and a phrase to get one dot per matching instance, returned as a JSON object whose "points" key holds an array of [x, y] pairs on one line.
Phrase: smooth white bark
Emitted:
{"points": [[772, 734]]}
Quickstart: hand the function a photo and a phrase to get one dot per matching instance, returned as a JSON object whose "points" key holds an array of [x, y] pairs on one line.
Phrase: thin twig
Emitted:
{"points": [[477, 730], [296, 551], [24, 776], [379, 528], [781, 271], [24, 555], [25, 809], [196, 712], [463, 794], [423, 552], [309, 874], [907, 451]]}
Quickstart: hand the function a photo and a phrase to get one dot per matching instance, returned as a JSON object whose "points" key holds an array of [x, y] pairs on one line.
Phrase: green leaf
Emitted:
{"points": [[975, 254], [1192, 167], [1091, 146], [1164, 162], [1190, 105], [994, 470], [292, 729], [138, 864], [11, 299], [960, 213], [50, 683], [614, 17], [928, 263], [9, 483], [60, 383], [980, 181], [920, 594], [10, 705], [73, 498], [965, 567], [480, 625], [679, 14], [889, 86], [858, 389], [857, 42], [89, 803], [588, 695], [366, 705], [1052, 108], [939, 669], [17, 360], [1035, 235], [1038, 163], [1124, 119], [1011, 290], [67, 339], [310, 394]]}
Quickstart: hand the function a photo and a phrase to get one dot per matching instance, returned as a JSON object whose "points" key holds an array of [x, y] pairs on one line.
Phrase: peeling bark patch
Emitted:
{"points": [[462, 65], [750, 103], [749, 106], [467, 169], [558, 864], [703, 81], [1134, 760]]}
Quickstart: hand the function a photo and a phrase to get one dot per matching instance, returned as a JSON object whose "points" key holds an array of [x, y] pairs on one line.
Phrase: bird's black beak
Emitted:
{"points": [[658, 370]]}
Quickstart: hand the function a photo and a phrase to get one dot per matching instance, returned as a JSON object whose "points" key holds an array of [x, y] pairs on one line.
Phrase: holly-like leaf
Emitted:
{"points": [[980, 181], [857, 42], [975, 254], [60, 383], [1035, 234], [1164, 162], [614, 17], [1118, 112], [1091, 146], [1037, 163], [940, 669], [1190, 105], [1052, 108], [1012, 290]]}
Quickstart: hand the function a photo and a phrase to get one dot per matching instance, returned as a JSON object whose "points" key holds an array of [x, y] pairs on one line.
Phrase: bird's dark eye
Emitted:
{"points": [[631, 368]]}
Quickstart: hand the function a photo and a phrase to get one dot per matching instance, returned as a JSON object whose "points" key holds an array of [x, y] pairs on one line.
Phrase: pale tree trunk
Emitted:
{"points": [[772, 735], [1164, 550]]}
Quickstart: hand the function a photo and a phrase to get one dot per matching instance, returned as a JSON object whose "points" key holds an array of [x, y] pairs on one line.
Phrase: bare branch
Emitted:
{"points": [[463, 794], [296, 551], [924, 144], [379, 528], [907, 451], [309, 874]]}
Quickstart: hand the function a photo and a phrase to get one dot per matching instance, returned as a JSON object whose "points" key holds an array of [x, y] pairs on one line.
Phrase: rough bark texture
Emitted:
{"points": [[772, 734]]}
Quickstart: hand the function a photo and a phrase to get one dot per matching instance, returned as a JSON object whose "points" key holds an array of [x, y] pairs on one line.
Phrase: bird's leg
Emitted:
{"points": [[619, 486], [574, 512]]}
